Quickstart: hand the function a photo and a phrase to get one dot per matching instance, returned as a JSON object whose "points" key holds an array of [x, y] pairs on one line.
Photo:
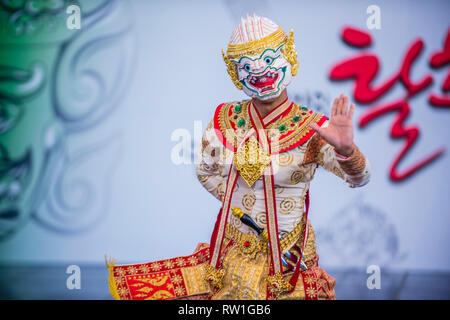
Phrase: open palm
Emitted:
{"points": [[339, 132]]}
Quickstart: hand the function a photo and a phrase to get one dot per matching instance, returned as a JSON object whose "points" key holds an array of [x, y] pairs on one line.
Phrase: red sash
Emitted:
{"points": [[259, 126]]}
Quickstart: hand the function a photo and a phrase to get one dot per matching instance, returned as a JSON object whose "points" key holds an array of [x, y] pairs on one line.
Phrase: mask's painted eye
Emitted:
{"points": [[268, 60], [247, 67]]}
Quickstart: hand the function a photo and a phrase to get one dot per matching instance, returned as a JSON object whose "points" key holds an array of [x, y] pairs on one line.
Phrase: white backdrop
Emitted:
{"points": [[157, 209]]}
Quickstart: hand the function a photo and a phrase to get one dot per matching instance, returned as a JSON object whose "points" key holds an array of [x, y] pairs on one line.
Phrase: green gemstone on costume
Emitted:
{"points": [[304, 108], [240, 122], [282, 127], [296, 118], [238, 108]]}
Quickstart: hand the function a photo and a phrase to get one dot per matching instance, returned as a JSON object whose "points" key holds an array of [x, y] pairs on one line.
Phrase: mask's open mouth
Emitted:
{"points": [[265, 82]]}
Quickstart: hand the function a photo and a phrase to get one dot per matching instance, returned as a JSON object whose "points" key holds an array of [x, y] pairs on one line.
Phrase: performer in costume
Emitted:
{"points": [[258, 158]]}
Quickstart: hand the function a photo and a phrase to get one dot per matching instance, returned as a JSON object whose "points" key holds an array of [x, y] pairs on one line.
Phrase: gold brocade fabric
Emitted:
{"points": [[296, 151], [285, 133], [244, 277], [251, 161], [245, 274]]}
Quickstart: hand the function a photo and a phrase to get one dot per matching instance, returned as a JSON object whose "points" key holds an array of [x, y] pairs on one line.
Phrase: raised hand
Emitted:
{"points": [[339, 132]]}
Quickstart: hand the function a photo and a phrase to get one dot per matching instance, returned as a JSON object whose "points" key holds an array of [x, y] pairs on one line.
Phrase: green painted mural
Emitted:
{"points": [[53, 87]]}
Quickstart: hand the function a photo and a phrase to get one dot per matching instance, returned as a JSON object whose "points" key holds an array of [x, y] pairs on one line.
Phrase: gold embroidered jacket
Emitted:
{"points": [[295, 153], [294, 167]]}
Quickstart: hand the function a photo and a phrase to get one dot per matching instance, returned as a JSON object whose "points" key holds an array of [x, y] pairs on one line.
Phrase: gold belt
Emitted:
{"points": [[251, 243]]}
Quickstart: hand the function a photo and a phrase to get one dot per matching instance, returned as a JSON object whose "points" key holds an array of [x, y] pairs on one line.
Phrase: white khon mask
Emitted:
{"points": [[261, 58], [264, 76]]}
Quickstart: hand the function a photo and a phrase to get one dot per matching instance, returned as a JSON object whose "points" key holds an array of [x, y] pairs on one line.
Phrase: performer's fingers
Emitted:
{"points": [[344, 106], [333, 109], [339, 105], [351, 111]]}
